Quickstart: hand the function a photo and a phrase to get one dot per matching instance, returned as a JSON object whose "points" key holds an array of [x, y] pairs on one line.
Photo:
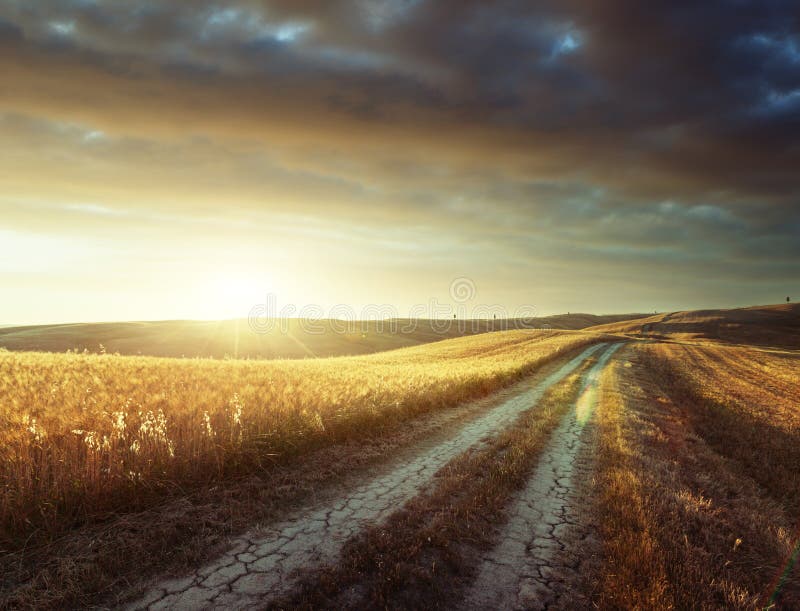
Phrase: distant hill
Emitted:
{"points": [[290, 338], [770, 325]]}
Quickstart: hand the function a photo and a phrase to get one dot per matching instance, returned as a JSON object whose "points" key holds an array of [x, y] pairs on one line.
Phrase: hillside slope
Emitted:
{"points": [[235, 338], [770, 325]]}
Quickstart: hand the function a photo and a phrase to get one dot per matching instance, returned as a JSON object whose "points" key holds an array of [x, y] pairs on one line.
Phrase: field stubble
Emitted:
{"points": [[699, 478]]}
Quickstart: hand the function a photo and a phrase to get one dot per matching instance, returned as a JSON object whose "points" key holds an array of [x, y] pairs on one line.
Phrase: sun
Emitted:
{"points": [[232, 294]]}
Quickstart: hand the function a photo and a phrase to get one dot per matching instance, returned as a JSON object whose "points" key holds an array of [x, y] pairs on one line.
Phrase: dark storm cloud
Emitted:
{"points": [[699, 91], [624, 127]]}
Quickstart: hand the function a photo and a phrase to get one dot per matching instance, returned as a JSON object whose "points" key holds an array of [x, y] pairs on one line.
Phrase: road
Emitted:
{"points": [[262, 565]]}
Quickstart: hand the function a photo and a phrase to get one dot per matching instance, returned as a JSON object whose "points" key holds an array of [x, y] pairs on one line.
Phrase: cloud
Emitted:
{"points": [[620, 136]]}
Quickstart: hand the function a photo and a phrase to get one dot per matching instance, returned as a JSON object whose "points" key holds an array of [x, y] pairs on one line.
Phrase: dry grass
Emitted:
{"points": [[745, 403], [633, 574], [699, 459], [430, 549], [85, 436]]}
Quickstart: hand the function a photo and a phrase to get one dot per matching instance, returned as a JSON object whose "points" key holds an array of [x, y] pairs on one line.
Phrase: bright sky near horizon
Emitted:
{"points": [[178, 160]]}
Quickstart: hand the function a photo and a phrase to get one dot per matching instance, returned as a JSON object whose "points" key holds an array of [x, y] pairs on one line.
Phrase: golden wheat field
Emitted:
{"points": [[86, 435]]}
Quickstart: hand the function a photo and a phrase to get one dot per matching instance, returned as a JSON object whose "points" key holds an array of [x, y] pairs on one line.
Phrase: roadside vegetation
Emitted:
{"points": [[632, 574], [699, 467]]}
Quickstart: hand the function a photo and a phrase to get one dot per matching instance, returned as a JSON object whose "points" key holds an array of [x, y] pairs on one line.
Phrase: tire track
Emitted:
{"points": [[260, 566], [537, 558]]}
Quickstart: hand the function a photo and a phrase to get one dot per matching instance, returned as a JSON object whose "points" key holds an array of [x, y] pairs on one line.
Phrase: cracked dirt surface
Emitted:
{"points": [[541, 550], [260, 565]]}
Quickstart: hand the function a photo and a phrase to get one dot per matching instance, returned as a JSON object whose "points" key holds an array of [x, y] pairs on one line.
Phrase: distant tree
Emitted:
{"points": [[788, 300]]}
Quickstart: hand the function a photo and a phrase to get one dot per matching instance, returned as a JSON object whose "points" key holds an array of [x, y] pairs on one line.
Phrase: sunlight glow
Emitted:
{"points": [[585, 405], [231, 294]]}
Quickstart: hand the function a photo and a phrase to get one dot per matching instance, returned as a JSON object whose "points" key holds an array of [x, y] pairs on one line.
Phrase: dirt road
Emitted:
{"points": [[538, 556], [260, 566]]}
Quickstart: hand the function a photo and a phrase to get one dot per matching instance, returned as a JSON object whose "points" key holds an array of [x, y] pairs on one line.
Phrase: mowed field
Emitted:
{"points": [[616, 467], [270, 339]]}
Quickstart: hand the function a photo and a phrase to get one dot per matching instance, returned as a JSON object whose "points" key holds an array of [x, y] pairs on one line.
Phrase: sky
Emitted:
{"points": [[185, 159]]}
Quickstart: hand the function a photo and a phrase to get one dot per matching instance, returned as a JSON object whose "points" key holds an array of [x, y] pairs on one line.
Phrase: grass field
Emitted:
{"points": [[681, 491]]}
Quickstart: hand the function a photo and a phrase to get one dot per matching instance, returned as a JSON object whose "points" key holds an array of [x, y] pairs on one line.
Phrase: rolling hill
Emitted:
{"points": [[290, 338], [770, 325]]}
